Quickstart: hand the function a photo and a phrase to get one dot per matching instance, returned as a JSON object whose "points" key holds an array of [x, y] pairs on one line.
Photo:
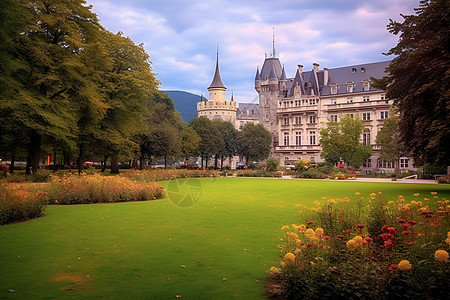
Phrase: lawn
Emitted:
{"points": [[216, 244]]}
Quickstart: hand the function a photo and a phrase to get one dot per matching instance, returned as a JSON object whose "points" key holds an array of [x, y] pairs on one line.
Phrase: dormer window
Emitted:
{"points": [[350, 86], [366, 85], [334, 88]]}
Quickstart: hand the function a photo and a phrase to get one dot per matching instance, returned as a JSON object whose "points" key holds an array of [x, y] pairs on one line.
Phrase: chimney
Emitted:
{"points": [[300, 68], [325, 76], [316, 67]]}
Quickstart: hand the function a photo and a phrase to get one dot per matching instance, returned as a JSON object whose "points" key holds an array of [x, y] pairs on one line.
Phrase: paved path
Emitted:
{"points": [[366, 179]]}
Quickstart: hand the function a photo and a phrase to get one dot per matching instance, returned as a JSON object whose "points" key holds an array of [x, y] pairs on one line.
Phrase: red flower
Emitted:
{"points": [[327, 238], [347, 231], [340, 236], [385, 228], [405, 232], [405, 226], [384, 219], [401, 221], [388, 243], [309, 223], [393, 267], [412, 223], [309, 245], [392, 230], [368, 240], [411, 244]]}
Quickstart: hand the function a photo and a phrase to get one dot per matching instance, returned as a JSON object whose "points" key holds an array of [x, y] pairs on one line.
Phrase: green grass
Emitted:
{"points": [[136, 250]]}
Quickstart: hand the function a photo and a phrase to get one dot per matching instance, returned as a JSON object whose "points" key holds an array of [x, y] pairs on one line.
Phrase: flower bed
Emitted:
{"points": [[20, 202], [390, 249], [163, 174], [97, 189]]}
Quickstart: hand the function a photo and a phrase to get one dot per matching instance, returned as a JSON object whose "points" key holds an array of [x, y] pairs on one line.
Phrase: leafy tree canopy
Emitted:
{"points": [[419, 81]]}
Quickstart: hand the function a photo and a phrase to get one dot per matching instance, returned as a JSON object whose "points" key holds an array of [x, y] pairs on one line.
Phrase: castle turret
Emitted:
{"points": [[216, 88], [257, 80], [283, 82]]}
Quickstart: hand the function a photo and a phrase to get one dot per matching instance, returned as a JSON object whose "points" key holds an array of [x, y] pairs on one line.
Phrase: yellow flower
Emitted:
{"points": [[293, 236], [297, 251], [289, 257], [416, 194], [309, 232], [283, 263], [404, 265], [298, 242], [319, 231], [358, 240], [285, 227], [301, 228], [273, 269], [441, 255], [357, 193], [351, 245]]}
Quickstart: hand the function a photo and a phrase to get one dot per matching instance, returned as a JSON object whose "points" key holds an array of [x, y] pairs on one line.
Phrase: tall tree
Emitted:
{"points": [[211, 139], [419, 81], [340, 141], [254, 142], [190, 142], [230, 140], [391, 148]]}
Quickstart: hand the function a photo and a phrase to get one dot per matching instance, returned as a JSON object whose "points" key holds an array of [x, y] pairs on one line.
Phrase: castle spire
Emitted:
{"points": [[217, 81], [274, 52]]}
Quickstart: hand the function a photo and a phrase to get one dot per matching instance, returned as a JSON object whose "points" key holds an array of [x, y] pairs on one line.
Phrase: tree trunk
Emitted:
{"points": [[216, 158], [206, 162], [34, 151], [202, 162], [13, 160], [114, 164], [105, 159], [165, 161], [221, 162], [141, 162], [80, 158]]}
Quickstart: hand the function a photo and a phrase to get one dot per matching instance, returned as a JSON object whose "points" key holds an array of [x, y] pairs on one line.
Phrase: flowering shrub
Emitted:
{"points": [[97, 188], [167, 174], [18, 203], [389, 249]]}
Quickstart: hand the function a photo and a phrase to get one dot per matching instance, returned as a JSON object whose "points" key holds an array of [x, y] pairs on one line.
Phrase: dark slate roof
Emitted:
{"points": [[311, 81], [355, 74], [217, 81], [269, 64], [283, 75], [248, 107], [257, 76]]}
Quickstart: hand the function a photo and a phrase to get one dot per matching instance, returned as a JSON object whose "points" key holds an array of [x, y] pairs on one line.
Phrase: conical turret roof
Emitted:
{"points": [[257, 76], [217, 81]]}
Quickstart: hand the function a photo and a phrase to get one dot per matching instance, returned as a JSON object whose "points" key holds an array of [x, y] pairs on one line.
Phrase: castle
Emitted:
{"points": [[294, 109]]}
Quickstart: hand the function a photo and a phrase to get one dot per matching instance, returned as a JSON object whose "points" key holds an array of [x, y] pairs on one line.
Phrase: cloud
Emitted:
{"points": [[181, 36]]}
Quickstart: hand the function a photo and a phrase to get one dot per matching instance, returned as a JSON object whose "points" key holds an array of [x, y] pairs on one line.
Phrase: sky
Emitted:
{"points": [[182, 36]]}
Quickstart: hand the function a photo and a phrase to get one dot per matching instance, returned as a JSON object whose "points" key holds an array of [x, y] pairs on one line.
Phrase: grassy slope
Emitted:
{"points": [[135, 250]]}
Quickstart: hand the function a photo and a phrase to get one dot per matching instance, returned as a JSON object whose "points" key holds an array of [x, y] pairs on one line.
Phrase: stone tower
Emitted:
{"points": [[217, 108]]}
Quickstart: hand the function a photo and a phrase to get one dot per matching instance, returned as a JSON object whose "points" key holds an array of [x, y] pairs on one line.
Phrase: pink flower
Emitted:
{"points": [[347, 231], [388, 243], [368, 239]]}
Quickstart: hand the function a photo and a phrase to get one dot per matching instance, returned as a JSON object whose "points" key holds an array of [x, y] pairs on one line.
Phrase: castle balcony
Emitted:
{"points": [[299, 148], [357, 105]]}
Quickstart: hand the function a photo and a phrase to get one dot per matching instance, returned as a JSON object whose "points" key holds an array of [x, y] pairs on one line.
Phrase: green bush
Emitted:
{"points": [[272, 164], [325, 167], [312, 173], [40, 176]]}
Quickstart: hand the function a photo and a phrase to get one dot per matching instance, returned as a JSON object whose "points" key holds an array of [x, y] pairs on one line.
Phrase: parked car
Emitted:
{"points": [[240, 165]]}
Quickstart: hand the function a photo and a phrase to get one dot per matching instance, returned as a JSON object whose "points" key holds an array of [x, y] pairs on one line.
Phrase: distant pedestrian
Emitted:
{"points": [[5, 169]]}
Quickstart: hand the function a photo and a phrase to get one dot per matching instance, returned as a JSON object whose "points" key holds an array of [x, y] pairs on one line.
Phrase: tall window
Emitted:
{"points": [[366, 85], [404, 163], [286, 139], [334, 88], [366, 116], [350, 86], [312, 101], [333, 118], [367, 163], [366, 98], [298, 138], [366, 137], [286, 121], [384, 115], [312, 137], [298, 120], [312, 119]]}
